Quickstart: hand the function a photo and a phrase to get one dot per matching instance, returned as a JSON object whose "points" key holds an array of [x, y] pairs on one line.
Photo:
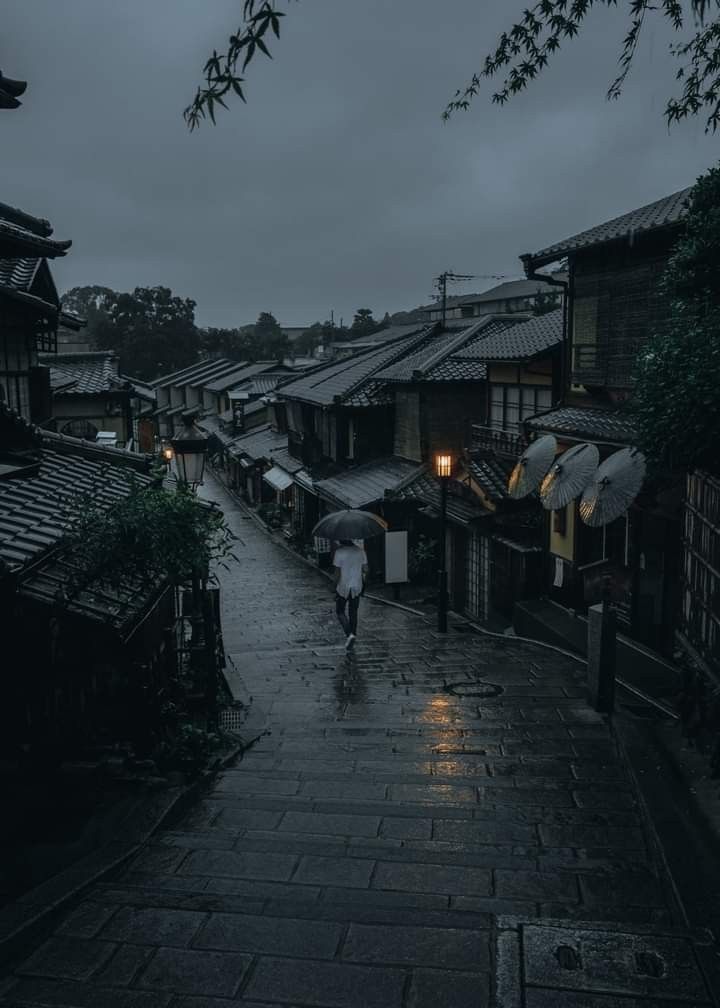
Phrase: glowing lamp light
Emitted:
{"points": [[443, 466], [168, 454], [190, 451]]}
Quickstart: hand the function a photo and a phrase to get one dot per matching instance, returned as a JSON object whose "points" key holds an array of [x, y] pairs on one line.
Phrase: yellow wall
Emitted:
{"points": [[564, 545]]}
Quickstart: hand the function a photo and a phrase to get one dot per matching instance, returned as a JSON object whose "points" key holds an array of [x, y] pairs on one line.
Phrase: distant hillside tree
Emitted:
{"points": [[272, 343], [152, 330], [363, 324], [235, 344]]}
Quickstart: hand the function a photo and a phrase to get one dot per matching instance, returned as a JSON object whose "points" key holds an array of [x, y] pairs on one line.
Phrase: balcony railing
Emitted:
{"points": [[502, 442]]}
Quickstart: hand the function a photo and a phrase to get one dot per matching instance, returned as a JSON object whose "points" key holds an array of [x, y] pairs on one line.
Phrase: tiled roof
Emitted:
{"points": [[263, 383], [235, 377], [508, 289], [82, 373], [356, 488], [371, 393], [441, 358], [602, 425], [259, 443], [384, 336], [257, 406], [120, 608], [665, 211], [35, 512], [339, 379], [203, 370], [456, 369], [492, 474], [423, 487], [517, 342], [19, 273], [20, 241], [283, 458]]}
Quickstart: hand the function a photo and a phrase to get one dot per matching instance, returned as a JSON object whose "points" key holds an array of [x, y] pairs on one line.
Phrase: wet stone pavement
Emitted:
{"points": [[360, 852]]}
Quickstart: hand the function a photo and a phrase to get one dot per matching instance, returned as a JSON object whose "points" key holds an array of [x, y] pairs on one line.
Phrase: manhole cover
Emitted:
{"points": [[476, 689], [595, 962]]}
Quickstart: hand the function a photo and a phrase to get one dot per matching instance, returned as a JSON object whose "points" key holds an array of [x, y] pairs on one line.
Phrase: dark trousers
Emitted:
{"points": [[349, 622]]}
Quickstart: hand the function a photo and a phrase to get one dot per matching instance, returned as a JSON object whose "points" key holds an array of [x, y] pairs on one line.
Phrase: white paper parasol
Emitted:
{"points": [[569, 476], [532, 466], [614, 487]]}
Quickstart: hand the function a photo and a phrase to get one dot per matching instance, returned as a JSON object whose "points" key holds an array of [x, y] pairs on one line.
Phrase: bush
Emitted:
{"points": [[422, 560]]}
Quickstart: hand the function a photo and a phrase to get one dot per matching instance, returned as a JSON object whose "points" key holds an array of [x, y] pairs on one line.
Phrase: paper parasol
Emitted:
{"points": [[532, 466], [613, 488], [569, 476]]}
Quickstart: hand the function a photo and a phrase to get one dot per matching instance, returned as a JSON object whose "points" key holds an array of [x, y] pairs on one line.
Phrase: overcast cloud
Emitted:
{"points": [[338, 186]]}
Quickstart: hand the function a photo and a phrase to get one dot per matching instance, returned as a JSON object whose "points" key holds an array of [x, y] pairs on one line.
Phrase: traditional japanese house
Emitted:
{"points": [[29, 310], [77, 658], [89, 396], [339, 421], [614, 303], [509, 297], [485, 379], [181, 391]]}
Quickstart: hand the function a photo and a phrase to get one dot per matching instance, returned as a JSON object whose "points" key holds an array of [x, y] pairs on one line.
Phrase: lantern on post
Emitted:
{"points": [[443, 470], [190, 451]]}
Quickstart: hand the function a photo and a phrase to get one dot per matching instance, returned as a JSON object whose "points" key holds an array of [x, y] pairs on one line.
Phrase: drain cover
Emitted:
{"points": [[543, 965], [232, 718]]}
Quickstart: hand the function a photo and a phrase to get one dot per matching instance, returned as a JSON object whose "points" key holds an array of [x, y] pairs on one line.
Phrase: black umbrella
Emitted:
{"points": [[349, 524]]}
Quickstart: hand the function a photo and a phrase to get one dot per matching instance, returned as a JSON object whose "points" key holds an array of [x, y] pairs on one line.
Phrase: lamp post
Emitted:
{"points": [[443, 470], [189, 449]]}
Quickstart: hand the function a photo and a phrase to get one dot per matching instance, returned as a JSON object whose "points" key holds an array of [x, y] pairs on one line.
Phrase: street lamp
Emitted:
{"points": [[190, 451], [443, 470]]}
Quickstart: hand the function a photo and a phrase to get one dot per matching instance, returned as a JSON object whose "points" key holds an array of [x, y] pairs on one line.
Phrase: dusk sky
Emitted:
{"points": [[338, 186]]}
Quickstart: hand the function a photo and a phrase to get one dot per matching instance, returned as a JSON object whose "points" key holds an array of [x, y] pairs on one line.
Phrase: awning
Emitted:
{"points": [[278, 478], [305, 480]]}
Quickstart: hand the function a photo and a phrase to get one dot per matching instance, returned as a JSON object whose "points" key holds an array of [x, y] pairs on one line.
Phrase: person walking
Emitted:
{"points": [[350, 562]]}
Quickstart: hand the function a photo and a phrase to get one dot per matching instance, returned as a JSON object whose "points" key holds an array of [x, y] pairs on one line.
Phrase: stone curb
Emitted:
{"points": [[30, 917]]}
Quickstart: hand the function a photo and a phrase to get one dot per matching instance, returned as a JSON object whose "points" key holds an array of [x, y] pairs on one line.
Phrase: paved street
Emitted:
{"points": [[359, 853]]}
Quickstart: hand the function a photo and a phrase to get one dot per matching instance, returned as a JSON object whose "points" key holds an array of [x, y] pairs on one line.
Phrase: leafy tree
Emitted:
{"points": [[521, 53], [88, 302], [272, 343], [545, 301], [153, 534], [152, 331], [307, 341], [677, 397], [235, 344], [363, 323]]}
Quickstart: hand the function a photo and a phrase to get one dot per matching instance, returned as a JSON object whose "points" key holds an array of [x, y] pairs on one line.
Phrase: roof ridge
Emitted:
{"points": [[455, 344], [425, 333]]}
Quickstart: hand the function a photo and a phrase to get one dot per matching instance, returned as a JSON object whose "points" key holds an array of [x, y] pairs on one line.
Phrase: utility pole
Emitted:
{"points": [[441, 283]]}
